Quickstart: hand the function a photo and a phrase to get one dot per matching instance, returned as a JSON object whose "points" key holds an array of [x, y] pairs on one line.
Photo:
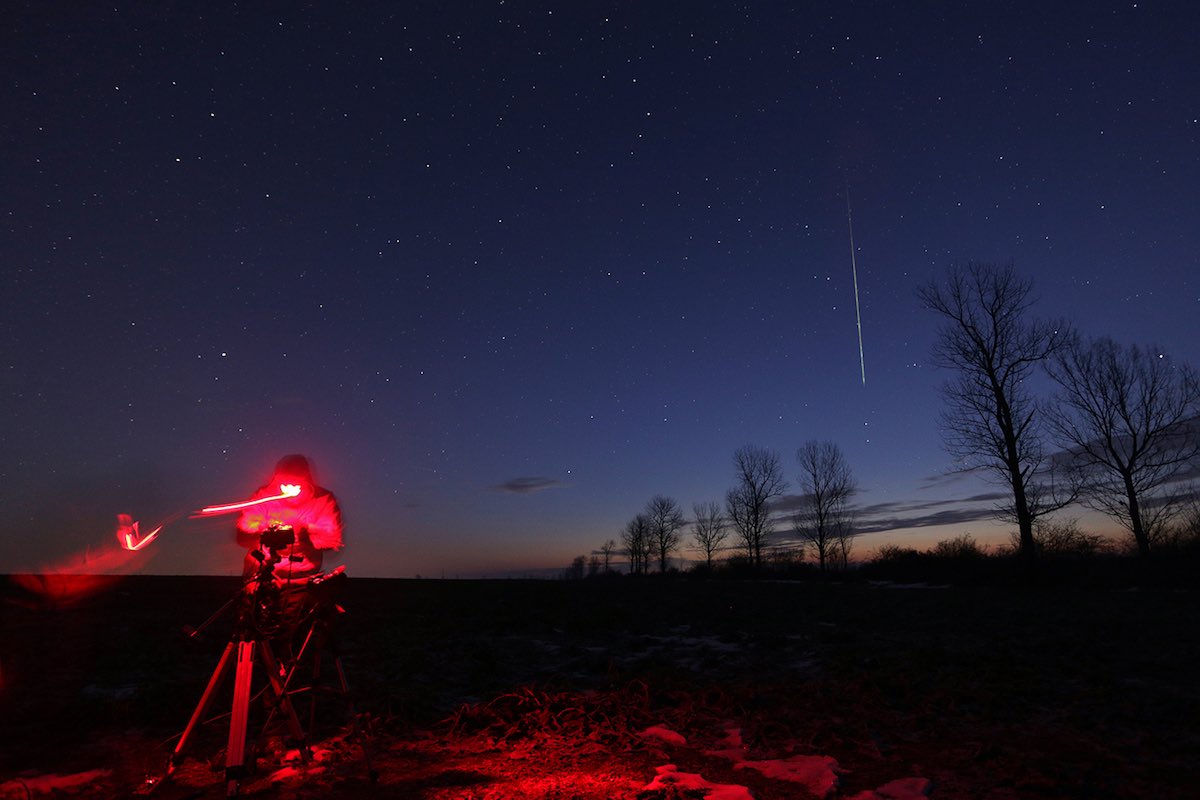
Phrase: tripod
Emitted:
{"points": [[264, 618]]}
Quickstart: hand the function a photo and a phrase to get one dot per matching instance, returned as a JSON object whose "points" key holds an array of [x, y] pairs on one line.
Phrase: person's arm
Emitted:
{"points": [[325, 525], [250, 523]]}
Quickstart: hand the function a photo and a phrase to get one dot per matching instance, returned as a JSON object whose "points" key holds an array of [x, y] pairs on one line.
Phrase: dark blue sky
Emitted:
{"points": [[505, 270]]}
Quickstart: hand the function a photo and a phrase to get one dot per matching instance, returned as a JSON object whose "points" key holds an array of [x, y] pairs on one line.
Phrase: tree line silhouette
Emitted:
{"points": [[1119, 434]]}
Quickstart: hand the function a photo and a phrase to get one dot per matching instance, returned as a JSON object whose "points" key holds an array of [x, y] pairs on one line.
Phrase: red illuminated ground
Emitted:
{"points": [[590, 690]]}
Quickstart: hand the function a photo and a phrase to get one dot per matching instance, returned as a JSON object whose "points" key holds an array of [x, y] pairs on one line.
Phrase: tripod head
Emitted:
{"points": [[270, 542], [265, 612]]}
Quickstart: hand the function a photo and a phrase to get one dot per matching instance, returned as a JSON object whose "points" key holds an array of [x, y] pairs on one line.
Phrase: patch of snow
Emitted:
{"points": [[295, 766], [711, 643], [110, 693], [284, 774], [669, 777], [315, 754], [901, 789], [294, 771], [665, 734], [818, 774]]}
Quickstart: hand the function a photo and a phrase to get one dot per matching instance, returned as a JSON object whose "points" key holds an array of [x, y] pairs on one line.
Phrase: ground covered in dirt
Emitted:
{"points": [[620, 688]]}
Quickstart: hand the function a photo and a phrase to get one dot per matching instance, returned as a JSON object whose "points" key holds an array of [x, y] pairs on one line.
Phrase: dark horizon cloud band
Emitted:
{"points": [[528, 485]]}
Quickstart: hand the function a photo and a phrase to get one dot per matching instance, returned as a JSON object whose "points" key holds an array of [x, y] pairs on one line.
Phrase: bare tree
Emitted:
{"points": [[825, 519], [636, 538], [1129, 419], [748, 504], [575, 571], [990, 421], [709, 529], [606, 552], [666, 520]]}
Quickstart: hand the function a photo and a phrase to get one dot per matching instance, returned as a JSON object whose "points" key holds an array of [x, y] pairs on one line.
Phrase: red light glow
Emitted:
{"points": [[76, 578], [80, 576]]}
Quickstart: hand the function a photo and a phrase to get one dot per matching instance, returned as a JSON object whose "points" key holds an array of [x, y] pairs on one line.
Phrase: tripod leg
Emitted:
{"points": [[308, 637], [284, 701], [235, 754], [214, 683]]}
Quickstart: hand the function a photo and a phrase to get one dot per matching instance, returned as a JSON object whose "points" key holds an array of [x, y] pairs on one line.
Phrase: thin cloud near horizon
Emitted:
{"points": [[528, 485], [903, 515]]}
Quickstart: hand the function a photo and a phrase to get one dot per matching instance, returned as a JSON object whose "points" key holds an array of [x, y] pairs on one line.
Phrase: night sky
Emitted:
{"points": [[506, 270]]}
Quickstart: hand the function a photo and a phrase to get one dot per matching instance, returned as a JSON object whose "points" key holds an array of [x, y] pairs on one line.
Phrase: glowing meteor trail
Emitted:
{"points": [[862, 361], [286, 490]]}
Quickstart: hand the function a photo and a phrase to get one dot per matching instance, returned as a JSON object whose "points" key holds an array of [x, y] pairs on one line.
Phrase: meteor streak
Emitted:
{"points": [[862, 361]]}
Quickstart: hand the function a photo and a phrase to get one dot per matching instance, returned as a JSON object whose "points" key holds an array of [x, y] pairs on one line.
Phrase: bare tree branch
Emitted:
{"points": [[666, 520], [825, 518], [709, 529], [1129, 418], [991, 418], [760, 480], [635, 536]]}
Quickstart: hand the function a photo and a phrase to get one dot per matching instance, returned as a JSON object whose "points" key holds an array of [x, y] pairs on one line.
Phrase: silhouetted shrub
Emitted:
{"points": [[1064, 539], [958, 560], [1181, 539], [960, 547], [891, 553]]}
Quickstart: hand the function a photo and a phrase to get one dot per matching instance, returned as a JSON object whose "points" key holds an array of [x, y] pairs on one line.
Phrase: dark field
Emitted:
{"points": [[542, 689]]}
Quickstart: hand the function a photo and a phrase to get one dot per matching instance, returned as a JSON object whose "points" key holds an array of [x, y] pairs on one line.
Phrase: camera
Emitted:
{"points": [[277, 537]]}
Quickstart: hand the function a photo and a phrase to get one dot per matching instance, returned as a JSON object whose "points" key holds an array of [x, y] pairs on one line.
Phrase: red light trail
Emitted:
{"points": [[71, 581], [286, 490], [130, 538], [128, 535]]}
